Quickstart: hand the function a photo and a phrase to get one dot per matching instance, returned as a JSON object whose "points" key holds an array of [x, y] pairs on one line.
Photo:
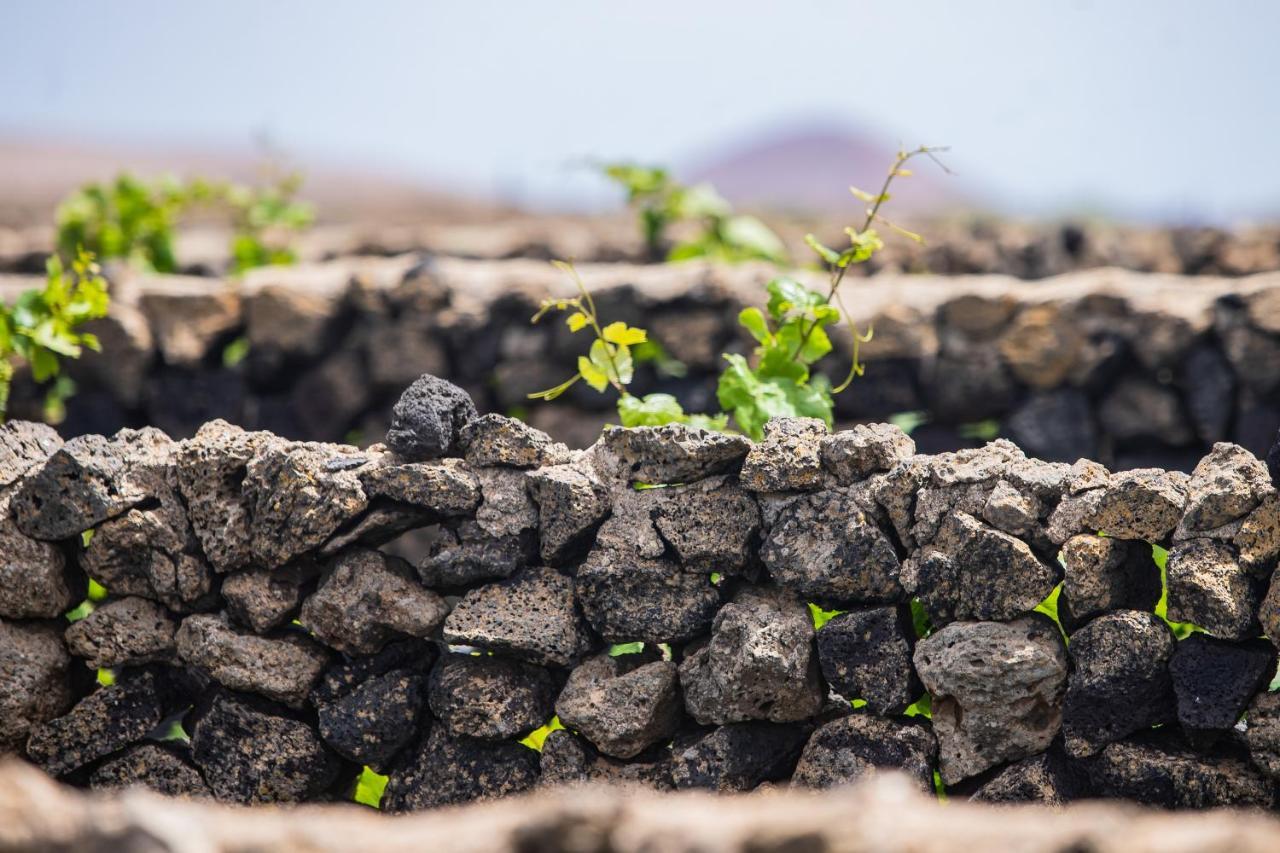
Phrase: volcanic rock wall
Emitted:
{"points": [[279, 615], [1132, 369]]}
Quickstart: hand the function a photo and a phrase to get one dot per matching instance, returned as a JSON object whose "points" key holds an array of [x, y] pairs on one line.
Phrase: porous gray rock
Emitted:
{"points": [[23, 446], [671, 453], [570, 760], [1046, 778], [865, 654], [1258, 539], [367, 598], [1119, 683], [444, 487], [758, 665], [737, 757], [428, 419], [1214, 680], [1226, 485], [106, 720], [90, 479], [975, 572], [788, 458], [464, 554], [263, 599], [711, 524], [34, 679], [1155, 771], [446, 770], [997, 691], [150, 765], [1101, 573], [628, 598], [532, 617], [209, 470], [495, 439], [35, 580], [1012, 510], [824, 548], [857, 745], [855, 454], [1145, 503], [300, 494], [622, 704], [506, 507], [373, 721], [124, 632], [1208, 588], [571, 504], [282, 668], [253, 752], [490, 698], [1262, 733]]}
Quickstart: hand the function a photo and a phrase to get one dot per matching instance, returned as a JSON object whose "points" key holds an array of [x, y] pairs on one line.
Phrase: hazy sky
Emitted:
{"points": [[1169, 108]]}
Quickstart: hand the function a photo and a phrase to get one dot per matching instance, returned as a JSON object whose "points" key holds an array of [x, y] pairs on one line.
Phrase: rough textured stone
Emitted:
{"points": [[299, 495], [210, 469], [464, 554], [1208, 588], [672, 453], [428, 419], [623, 704], [1154, 771], [367, 598], [34, 682], [866, 654], [499, 440], [531, 616], [263, 599], [789, 457], [1214, 680], [974, 572], [571, 503], [824, 548], [856, 745], [1262, 733], [506, 508], [490, 698], [35, 580], [384, 521], [628, 598], [1044, 778], [1227, 484], [568, 759], [445, 487], [1258, 538], [737, 757], [88, 480], [281, 668], [371, 723], [124, 632], [759, 664], [711, 524], [346, 674], [855, 454], [1101, 573], [1057, 425], [447, 770], [1120, 681], [23, 446], [106, 720], [253, 752], [1142, 504], [997, 691], [151, 765]]}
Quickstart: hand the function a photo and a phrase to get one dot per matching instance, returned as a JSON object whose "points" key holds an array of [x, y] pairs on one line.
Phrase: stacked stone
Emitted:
{"points": [[656, 594]]}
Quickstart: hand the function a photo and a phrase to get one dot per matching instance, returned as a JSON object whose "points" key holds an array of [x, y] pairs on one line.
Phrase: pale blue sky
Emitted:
{"points": [[1169, 109]]}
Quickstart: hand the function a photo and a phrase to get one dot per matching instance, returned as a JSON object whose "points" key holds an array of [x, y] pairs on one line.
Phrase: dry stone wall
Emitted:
{"points": [[1136, 370], [694, 610]]}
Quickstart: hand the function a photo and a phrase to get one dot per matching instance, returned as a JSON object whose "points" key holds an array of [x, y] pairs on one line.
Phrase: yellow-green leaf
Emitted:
{"points": [[594, 376], [576, 321], [620, 333]]}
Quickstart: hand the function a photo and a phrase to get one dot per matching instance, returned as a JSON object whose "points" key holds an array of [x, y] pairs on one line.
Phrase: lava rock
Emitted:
{"points": [[371, 723], [571, 504], [628, 598], [623, 704], [1046, 779], [672, 453], [711, 524], [490, 698], [499, 440], [737, 757], [1258, 539], [1056, 425], [866, 654], [263, 599], [35, 580], [1101, 574], [447, 770], [1262, 733], [824, 548], [1208, 588], [445, 487], [1120, 681], [1155, 771], [23, 446], [975, 572], [299, 495], [568, 759], [997, 691], [788, 459], [1226, 484], [253, 752], [124, 632], [1145, 503], [153, 766], [506, 508], [282, 668], [106, 720], [465, 554], [1214, 680], [366, 599], [758, 665], [532, 617], [849, 748], [34, 680], [384, 521], [428, 419], [855, 454]]}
